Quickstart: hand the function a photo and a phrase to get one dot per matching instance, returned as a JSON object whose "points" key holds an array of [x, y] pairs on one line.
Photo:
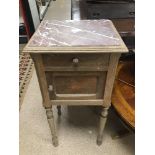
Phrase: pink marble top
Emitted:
{"points": [[75, 33]]}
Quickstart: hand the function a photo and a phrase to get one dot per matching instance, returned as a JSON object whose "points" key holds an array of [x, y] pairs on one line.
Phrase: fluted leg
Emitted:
{"points": [[50, 119], [59, 110], [103, 119]]}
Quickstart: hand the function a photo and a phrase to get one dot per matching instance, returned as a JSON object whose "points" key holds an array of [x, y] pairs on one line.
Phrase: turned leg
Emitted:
{"points": [[59, 110], [50, 119], [102, 122]]}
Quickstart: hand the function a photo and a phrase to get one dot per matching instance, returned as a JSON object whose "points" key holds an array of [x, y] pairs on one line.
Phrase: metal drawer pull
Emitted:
{"points": [[75, 61], [131, 13]]}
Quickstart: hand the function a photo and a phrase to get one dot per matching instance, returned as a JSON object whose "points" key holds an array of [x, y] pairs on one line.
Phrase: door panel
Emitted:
{"points": [[73, 85]]}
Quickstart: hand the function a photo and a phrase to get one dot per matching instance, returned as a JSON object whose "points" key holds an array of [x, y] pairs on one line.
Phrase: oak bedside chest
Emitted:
{"points": [[75, 63]]}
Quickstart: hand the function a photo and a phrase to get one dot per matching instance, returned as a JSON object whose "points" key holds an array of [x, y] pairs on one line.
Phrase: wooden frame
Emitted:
{"points": [[77, 99]]}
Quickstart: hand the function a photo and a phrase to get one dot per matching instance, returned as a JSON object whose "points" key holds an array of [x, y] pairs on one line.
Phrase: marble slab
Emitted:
{"points": [[75, 33]]}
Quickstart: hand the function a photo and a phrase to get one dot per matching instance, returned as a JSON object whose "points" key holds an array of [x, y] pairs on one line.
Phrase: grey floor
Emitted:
{"points": [[59, 9], [77, 127]]}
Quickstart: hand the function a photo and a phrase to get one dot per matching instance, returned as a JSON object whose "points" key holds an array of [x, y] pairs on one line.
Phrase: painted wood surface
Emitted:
{"points": [[76, 64]]}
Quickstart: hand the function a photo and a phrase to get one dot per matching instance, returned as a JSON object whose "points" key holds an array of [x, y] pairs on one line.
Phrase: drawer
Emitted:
{"points": [[76, 62]]}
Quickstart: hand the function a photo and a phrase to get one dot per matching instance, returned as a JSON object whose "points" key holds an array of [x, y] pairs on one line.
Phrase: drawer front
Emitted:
{"points": [[81, 62], [76, 85]]}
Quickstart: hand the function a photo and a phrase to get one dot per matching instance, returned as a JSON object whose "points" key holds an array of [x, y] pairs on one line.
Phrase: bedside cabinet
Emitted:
{"points": [[76, 63]]}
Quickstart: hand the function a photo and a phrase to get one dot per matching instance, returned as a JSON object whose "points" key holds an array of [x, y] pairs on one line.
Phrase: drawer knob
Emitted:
{"points": [[75, 61], [132, 13], [50, 88]]}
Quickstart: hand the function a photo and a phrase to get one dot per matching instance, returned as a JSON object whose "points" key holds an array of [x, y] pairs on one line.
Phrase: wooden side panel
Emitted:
{"points": [[75, 85], [42, 79], [114, 57]]}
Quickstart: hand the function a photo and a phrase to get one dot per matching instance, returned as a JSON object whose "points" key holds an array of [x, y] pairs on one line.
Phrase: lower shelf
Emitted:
{"points": [[77, 102]]}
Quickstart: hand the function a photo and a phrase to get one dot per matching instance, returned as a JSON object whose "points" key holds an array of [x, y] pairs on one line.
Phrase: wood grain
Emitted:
{"points": [[75, 85], [123, 96], [84, 60], [110, 78], [77, 102], [42, 79]]}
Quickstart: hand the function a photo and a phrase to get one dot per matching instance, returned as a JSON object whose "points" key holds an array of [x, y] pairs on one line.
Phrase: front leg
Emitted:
{"points": [[50, 119], [103, 119]]}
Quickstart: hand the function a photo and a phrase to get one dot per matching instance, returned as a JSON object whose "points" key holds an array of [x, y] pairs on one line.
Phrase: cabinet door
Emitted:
{"points": [[76, 85]]}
